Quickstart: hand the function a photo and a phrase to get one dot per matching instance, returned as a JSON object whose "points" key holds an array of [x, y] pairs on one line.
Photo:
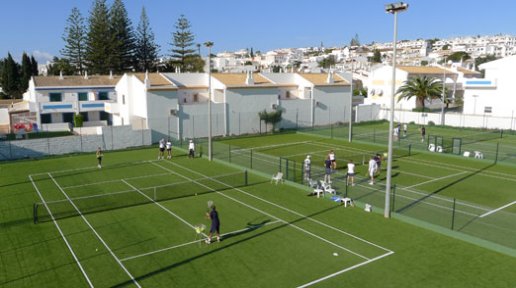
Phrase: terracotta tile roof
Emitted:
{"points": [[319, 79], [156, 80], [424, 70], [467, 71], [238, 79], [76, 81]]}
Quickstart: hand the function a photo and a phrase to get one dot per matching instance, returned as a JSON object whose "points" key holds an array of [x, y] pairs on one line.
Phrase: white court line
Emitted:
{"points": [[270, 146], [289, 210], [435, 179], [345, 270], [111, 181], [95, 232], [497, 209], [62, 234], [85, 168], [161, 206], [189, 243], [268, 214]]}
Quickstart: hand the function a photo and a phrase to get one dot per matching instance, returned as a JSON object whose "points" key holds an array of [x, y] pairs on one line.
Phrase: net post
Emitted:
{"points": [[229, 153], [410, 149], [453, 214], [35, 213], [279, 164], [246, 179], [154, 194], [294, 169]]}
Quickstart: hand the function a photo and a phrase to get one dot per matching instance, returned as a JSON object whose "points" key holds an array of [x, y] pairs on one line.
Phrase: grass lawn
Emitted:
{"points": [[109, 230]]}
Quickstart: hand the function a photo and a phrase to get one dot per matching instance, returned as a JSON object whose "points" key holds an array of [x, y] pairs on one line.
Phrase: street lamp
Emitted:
{"points": [[394, 9], [209, 45], [351, 104]]}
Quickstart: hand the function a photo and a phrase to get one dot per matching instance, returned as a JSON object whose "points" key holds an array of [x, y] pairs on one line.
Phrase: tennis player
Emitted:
{"points": [[215, 224], [191, 149], [372, 169], [169, 149], [333, 160], [327, 167], [161, 148], [308, 168], [351, 173], [99, 155]]}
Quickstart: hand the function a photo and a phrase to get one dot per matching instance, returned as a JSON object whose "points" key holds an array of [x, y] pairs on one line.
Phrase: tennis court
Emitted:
{"points": [[134, 224], [472, 196]]}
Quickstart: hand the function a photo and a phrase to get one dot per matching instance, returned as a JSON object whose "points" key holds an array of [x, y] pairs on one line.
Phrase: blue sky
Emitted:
{"points": [[263, 25]]}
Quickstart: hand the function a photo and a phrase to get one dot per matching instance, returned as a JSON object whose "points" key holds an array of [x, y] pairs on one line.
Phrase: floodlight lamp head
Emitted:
{"points": [[396, 7]]}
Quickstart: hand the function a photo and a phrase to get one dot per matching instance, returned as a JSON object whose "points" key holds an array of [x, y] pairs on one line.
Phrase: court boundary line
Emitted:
{"points": [[272, 216], [435, 179], [292, 211], [95, 232], [189, 243], [62, 234], [497, 209]]}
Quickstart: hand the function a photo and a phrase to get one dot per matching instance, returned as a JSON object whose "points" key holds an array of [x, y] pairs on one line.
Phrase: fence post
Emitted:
{"points": [[246, 181], [279, 164], [294, 169], [453, 214], [409, 149], [251, 159], [35, 213], [393, 193], [229, 155], [10, 150], [286, 168], [496, 154], [374, 135]]}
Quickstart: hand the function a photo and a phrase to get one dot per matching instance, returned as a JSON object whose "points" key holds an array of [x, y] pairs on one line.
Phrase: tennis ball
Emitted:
{"points": [[385, 155]]}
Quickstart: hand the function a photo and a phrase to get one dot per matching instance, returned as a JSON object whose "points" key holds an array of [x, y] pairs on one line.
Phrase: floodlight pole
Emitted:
{"points": [[209, 45], [393, 9], [351, 106]]}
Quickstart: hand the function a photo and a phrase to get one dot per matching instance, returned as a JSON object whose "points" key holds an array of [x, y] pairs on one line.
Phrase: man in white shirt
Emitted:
{"points": [[191, 149], [161, 148], [351, 173], [372, 169], [168, 145], [308, 168]]}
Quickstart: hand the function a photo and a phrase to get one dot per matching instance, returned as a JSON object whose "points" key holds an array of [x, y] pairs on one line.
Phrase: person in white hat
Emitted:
{"points": [[191, 149], [308, 168]]}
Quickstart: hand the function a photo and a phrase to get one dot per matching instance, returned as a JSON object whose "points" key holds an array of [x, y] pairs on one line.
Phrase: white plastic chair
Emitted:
{"points": [[278, 177], [431, 147], [479, 155], [466, 154], [439, 149], [327, 189], [312, 183], [319, 189]]}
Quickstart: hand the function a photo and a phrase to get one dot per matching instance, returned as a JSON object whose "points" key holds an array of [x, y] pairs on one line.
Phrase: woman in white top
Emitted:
{"points": [[191, 149], [351, 173], [331, 155]]}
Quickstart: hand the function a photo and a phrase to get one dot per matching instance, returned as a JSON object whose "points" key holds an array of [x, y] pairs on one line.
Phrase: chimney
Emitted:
{"points": [[61, 75], [249, 78], [86, 75], [329, 79], [146, 81]]}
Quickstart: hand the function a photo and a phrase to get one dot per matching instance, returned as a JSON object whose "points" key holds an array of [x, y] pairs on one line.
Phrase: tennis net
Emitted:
{"points": [[134, 196]]}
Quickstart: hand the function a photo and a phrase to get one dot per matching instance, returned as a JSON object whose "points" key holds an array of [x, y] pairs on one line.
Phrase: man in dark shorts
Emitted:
{"points": [[378, 160], [423, 133], [215, 224]]}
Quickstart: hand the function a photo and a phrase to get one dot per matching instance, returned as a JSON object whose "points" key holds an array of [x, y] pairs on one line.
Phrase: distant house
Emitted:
{"points": [[495, 94], [380, 84], [56, 99]]}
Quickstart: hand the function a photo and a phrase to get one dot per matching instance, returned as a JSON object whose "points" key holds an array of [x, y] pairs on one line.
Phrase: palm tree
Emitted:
{"points": [[423, 88]]}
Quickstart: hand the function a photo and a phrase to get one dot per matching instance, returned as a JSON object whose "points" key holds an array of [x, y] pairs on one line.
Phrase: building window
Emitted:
{"points": [[287, 94], [68, 117], [103, 95], [46, 118], [55, 97], [83, 96], [196, 97], [488, 109], [84, 116], [123, 99]]}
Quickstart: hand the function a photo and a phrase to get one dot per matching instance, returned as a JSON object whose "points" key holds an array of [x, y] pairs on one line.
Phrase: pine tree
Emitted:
{"points": [[26, 73], [34, 66], [183, 40], [99, 43], [75, 40], [146, 52], [10, 78], [123, 37]]}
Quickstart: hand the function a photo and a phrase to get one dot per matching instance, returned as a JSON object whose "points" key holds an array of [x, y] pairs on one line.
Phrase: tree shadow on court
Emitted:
{"points": [[221, 248], [422, 199]]}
